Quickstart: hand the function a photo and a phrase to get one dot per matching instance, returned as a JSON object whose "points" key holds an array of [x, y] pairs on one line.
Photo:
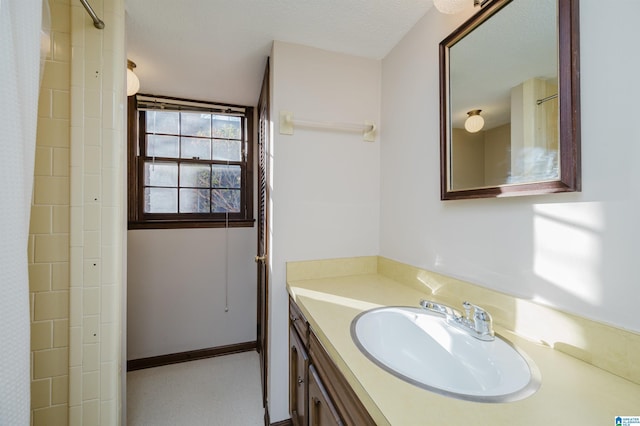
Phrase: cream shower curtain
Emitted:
{"points": [[20, 32]]}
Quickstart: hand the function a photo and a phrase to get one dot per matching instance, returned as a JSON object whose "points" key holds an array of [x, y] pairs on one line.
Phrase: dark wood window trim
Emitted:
{"points": [[137, 219]]}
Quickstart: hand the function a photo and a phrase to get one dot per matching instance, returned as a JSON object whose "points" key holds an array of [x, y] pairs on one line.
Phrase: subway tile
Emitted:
{"points": [[41, 335], [50, 363], [91, 329], [90, 387], [75, 308], [110, 226], [76, 268], [52, 248], [75, 415], [60, 390], [92, 217], [51, 190], [111, 188], [57, 75], [40, 393], [61, 219], [108, 412], [92, 272], [62, 46], [108, 344], [91, 244], [92, 160], [75, 385], [80, 26], [90, 357], [109, 109], [92, 72], [43, 165], [91, 412], [40, 277], [93, 44], [109, 303], [51, 305], [77, 148], [61, 333], [92, 102], [92, 189], [60, 17], [61, 159], [51, 416], [75, 347], [77, 105], [40, 220], [45, 103], [76, 190], [61, 104], [91, 301], [60, 276], [108, 377], [111, 152], [92, 131]]}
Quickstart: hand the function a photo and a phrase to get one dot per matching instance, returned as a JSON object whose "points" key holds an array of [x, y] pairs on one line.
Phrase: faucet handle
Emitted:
{"points": [[482, 320], [467, 309]]}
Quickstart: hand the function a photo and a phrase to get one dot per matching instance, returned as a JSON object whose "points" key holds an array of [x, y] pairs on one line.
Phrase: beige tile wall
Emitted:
{"points": [[49, 232], [76, 230], [97, 221]]}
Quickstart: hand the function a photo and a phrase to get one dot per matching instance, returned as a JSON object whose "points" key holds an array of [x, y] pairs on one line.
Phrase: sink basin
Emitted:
{"points": [[421, 348]]}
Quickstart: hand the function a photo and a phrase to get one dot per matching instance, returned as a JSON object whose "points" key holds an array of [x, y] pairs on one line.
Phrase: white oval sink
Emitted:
{"points": [[421, 348]]}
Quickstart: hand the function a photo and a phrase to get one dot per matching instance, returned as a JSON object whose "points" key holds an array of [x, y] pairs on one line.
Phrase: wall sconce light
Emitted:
{"points": [[451, 7], [133, 84], [474, 123]]}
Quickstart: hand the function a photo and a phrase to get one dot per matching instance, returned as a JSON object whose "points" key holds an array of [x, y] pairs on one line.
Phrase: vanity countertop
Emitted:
{"points": [[573, 392]]}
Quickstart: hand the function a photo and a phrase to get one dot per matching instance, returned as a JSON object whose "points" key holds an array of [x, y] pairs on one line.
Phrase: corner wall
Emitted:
{"points": [[324, 188], [575, 252], [97, 214]]}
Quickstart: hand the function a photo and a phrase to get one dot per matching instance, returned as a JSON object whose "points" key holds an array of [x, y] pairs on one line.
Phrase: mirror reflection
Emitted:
{"points": [[503, 99]]}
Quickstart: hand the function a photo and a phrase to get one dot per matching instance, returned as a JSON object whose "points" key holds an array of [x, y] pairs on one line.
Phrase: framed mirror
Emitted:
{"points": [[510, 101]]}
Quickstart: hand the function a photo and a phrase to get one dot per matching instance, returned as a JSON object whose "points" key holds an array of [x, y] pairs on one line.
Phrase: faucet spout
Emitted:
{"points": [[480, 325]]}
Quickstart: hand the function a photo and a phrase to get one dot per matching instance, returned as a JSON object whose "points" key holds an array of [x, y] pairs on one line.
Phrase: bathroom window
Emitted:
{"points": [[189, 164]]}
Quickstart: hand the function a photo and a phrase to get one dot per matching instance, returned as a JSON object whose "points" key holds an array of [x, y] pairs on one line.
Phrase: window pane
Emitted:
{"points": [[160, 174], [195, 200], [227, 150], [160, 200], [195, 176], [226, 177], [162, 146], [225, 200], [196, 148], [196, 124], [225, 126], [163, 122]]}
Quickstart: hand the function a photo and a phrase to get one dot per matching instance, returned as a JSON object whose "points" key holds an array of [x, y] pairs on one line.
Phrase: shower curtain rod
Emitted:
{"points": [[97, 22]]}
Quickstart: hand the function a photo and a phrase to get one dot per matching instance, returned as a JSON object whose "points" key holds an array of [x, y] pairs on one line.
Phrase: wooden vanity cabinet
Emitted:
{"points": [[319, 395]]}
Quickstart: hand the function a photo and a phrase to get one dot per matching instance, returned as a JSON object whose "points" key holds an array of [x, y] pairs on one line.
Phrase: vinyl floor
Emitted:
{"points": [[222, 391]]}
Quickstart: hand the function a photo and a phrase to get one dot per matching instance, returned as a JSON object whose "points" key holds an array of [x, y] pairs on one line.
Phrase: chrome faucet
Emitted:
{"points": [[479, 326]]}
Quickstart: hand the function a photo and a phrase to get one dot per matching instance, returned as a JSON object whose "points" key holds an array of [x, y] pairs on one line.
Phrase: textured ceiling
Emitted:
{"points": [[216, 50]]}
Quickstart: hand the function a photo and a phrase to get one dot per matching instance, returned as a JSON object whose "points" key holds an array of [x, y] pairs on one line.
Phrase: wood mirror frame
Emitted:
{"points": [[569, 109]]}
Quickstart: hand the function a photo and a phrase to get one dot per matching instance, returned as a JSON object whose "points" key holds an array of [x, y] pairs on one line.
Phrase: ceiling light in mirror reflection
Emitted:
{"points": [[567, 251]]}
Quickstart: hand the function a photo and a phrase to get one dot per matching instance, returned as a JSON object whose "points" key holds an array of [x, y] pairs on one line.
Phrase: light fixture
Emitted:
{"points": [[474, 122], [451, 7], [133, 84]]}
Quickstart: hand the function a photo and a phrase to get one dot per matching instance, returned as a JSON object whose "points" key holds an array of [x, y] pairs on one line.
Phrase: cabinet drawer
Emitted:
{"points": [[299, 322], [347, 404]]}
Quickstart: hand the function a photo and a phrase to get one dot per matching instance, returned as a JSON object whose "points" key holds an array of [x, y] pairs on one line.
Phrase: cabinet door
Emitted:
{"points": [[298, 368], [322, 412]]}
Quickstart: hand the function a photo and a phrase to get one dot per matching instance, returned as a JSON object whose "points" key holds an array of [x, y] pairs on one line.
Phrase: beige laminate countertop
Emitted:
{"points": [[572, 392]]}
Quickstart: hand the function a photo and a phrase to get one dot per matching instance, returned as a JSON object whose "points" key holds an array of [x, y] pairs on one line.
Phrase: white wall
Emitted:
{"points": [[324, 189], [176, 290], [577, 252]]}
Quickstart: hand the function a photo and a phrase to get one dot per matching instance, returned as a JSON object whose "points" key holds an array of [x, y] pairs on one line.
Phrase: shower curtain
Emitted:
{"points": [[20, 32]]}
